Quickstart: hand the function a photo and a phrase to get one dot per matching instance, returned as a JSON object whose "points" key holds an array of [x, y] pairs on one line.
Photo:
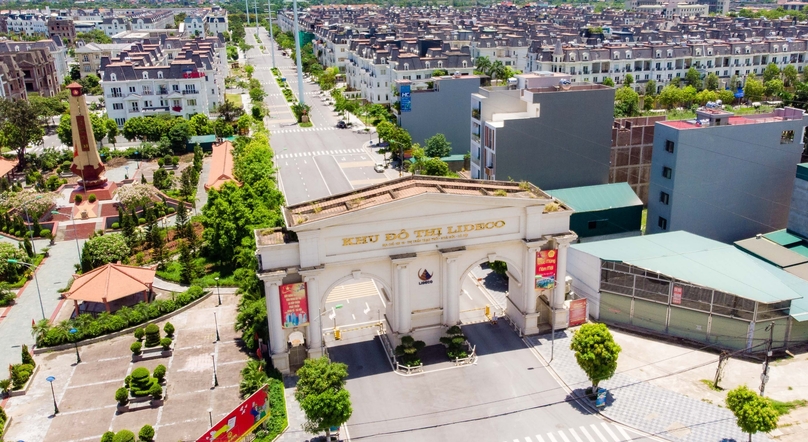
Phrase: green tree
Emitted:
{"points": [[712, 82], [322, 395], [499, 267], [670, 96], [201, 125], [249, 69], [706, 95], [19, 128], [112, 130], [628, 81], [483, 65], [437, 146], [189, 270], [607, 81], [753, 90], [161, 179], [774, 88], [790, 75], [103, 249], [650, 88], [753, 412], [94, 36], [771, 72], [257, 94], [688, 95], [626, 102], [596, 352], [229, 112], [726, 96], [179, 134], [693, 78], [253, 377]]}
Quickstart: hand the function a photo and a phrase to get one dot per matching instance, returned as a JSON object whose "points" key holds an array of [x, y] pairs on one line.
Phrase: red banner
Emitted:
{"points": [[577, 312], [677, 295], [294, 305], [546, 268], [241, 421]]}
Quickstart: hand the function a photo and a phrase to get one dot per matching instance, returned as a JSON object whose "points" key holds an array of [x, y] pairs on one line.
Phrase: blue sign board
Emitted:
{"points": [[405, 98]]}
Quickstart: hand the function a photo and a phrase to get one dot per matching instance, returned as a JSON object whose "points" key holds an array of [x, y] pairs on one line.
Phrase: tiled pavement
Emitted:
{"points": [[644, 406]]}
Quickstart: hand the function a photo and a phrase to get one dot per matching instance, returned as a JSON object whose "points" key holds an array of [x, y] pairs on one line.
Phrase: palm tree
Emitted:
{"points": [[498, 70], [40, 330], [483, 65], [253, 377]]}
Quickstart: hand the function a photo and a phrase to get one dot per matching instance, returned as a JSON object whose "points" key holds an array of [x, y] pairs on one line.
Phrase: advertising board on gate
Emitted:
{"points": [[546, 261], [405, 101], [242, 421], [577, 312], [294, 305]]}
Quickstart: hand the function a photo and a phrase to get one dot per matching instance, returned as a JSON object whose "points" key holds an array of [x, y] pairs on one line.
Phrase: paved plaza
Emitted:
{"points": [[85, 392]]}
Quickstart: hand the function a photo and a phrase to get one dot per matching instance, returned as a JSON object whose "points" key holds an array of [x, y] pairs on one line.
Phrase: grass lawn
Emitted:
{"points": [[786, 407], [226, 279], [234, 98], [307, 124]]}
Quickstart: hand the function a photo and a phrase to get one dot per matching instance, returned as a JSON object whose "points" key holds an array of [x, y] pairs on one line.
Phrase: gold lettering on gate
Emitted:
{"points": [[403, 237]]}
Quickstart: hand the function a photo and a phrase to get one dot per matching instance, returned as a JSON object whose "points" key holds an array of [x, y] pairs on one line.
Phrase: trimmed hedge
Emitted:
{"points": [[20, 373], [146, 433], [152, 336], [277, 421], [88, 327]]}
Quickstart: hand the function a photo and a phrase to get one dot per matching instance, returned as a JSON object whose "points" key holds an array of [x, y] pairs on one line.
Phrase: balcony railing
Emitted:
{"points": [[162, 92], [475, 138], [145, 92], [190, 92], [115, 95], [475, 113]]}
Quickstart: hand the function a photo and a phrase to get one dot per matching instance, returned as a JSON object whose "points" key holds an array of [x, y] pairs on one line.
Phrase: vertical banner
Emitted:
{"points": [[677, 295], [577, 312], [294, 305], [406, 104], [241, 421], [546, 268]]}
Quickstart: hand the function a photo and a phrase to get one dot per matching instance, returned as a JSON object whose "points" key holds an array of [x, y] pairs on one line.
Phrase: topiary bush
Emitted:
{"points": [[139, 333], [124, 436], [122, 396], [135, 347], [160, 372], [169, 329], [152, 335], [109, 436], [78, 199], [156, 391], [20, 373], [116, 225], [91, 198], [45, 233], [166, 343], [141, 382], [146, 433], [26, 356]]}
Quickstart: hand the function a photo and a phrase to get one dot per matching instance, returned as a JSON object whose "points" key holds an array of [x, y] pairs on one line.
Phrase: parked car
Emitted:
{"points": [[379, 167], [342, 125]]}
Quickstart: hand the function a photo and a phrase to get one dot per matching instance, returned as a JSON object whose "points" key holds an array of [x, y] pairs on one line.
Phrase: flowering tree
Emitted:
{"points": [[10, 271], [35, 203], [136, 195], [103, 249]]}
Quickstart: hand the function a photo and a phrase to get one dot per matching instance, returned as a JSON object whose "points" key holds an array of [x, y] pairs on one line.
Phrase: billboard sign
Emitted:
{"points": [[242, 421], [546, 268], [406, 103], [577, 312], [294, 305]]}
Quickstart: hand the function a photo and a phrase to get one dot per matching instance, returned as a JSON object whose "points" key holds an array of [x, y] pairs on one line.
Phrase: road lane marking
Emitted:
{"points": [[563, 436], [539, 438], [575, 435], [595, 430], [623, 432], [323, 177], [586, 433], [608, 430], [551, 437]]}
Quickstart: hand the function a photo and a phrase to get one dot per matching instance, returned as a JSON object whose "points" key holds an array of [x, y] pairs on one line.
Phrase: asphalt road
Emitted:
{"points": [[312, 162]]}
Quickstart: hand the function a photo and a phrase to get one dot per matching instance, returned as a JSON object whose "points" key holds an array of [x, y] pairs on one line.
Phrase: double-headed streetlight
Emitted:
{"points": [[36, 280]]}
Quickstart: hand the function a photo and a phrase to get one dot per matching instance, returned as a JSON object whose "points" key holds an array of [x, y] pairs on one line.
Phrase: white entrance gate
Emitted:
{"points": [[417, 237]]}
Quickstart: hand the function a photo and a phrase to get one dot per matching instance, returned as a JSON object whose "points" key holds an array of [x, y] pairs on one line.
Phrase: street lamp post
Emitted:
{"points": [[217, 290], [216, 322], [215, 377], [50, 379], [297, 59], [210, 416], [73, 332], [127, 171], [271, 36], [36, 280]]}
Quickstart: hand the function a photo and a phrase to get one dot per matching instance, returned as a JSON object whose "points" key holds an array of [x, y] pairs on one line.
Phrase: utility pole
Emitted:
{"points": [[271, 37], [719, 372], [247, 9], [255, 7], [764, 377], [297, 57]]}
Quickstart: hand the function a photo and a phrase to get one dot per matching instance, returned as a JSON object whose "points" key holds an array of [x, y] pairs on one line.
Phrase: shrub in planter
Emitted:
{"points": [[135, 347], [175, 160], [139, 333], [171, 210], [141, 382], [45, 233], [26, 356], [169, 329], [116, 225], [166, 343], [146, 433], [454, 341], [127, 380], [161, 162], [5, 386], [91, 198], [160, 372], [79, 199], [152, 335], [124, 436], [20, 374], [156, 391], [109, 436], [122, 396]]}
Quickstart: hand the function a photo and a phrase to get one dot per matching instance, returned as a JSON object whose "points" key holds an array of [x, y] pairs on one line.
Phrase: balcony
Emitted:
{"points": [[190, 92], [145, 92], [155, 109], [475, 113], [475, 138], [115, 95], [176, 109], [162, 92]]}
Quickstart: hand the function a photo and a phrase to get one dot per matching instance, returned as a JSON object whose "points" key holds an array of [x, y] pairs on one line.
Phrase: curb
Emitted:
{"points": [[126, 331]]}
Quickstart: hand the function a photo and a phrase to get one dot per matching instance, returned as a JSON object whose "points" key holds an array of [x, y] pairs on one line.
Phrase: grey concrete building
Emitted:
{"points": [[442, 109], [542, 129], [722, 176]]}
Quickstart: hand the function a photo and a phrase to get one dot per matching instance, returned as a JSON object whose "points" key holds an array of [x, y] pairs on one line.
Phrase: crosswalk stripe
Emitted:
{"points": [[575, 435], [623, 432], [528, 439], [608, 430], [563, 436], [586, 433], [539, 438], [551, 437], [596, 431]]}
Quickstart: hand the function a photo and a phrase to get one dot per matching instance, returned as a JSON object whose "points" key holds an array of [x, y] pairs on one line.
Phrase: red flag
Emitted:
{"points": [[258, 353], [33, 323]]}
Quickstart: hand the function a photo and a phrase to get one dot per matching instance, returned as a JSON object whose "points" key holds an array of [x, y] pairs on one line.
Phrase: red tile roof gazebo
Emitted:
{"points": [[110, 283]]}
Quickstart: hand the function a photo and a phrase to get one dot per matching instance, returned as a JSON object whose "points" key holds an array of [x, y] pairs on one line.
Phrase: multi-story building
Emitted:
{"points": [[58, 51], [12, 79], [191, 83], [26, 23], [216, 19], [89, 55], [632, 147], [35, 62], [156, 19], [543, 129], [723, 176], [511, 50], [114, 25], [195, 24], [62, 28]]}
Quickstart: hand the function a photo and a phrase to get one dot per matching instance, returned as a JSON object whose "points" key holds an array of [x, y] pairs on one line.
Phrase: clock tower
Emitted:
{"points": [[86, 161]]}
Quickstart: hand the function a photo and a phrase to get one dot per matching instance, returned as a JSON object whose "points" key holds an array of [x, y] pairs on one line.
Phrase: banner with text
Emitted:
{"points": [[577, 312], [406, 103], [294, 305], [546, 268], [241, 421]]}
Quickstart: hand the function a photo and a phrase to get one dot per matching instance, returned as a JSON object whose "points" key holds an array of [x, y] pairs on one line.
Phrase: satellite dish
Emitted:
{"points": [[565, 84]]}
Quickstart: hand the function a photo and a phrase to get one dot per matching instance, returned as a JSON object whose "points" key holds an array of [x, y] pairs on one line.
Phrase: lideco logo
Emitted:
{"points": [[424, 276]]}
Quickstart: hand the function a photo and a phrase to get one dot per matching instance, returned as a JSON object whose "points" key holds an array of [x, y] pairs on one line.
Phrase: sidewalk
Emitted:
{"points": [[294, 432], [642, 405]]}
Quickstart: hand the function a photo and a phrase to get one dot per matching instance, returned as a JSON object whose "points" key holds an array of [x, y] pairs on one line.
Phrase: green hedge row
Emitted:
{"points": [[278, 420], [88, 326]]}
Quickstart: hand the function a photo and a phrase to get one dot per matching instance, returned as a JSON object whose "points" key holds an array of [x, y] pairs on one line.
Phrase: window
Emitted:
{"points": [[667, 172], [120, 121], [669, 146], [593, 225], [192, 102], [664, 198], [159, 74], [787, 137], [147, 103], [662, 223], [132, 89], [113, 77], [175, 87], [135, 106], [145, 75], [117, 106]]}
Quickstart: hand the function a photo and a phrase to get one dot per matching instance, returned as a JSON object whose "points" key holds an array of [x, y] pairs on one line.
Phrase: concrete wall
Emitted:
{"points": [[443, 110], [568, 145], [615, 221], [798, 217], [728, 182]]}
